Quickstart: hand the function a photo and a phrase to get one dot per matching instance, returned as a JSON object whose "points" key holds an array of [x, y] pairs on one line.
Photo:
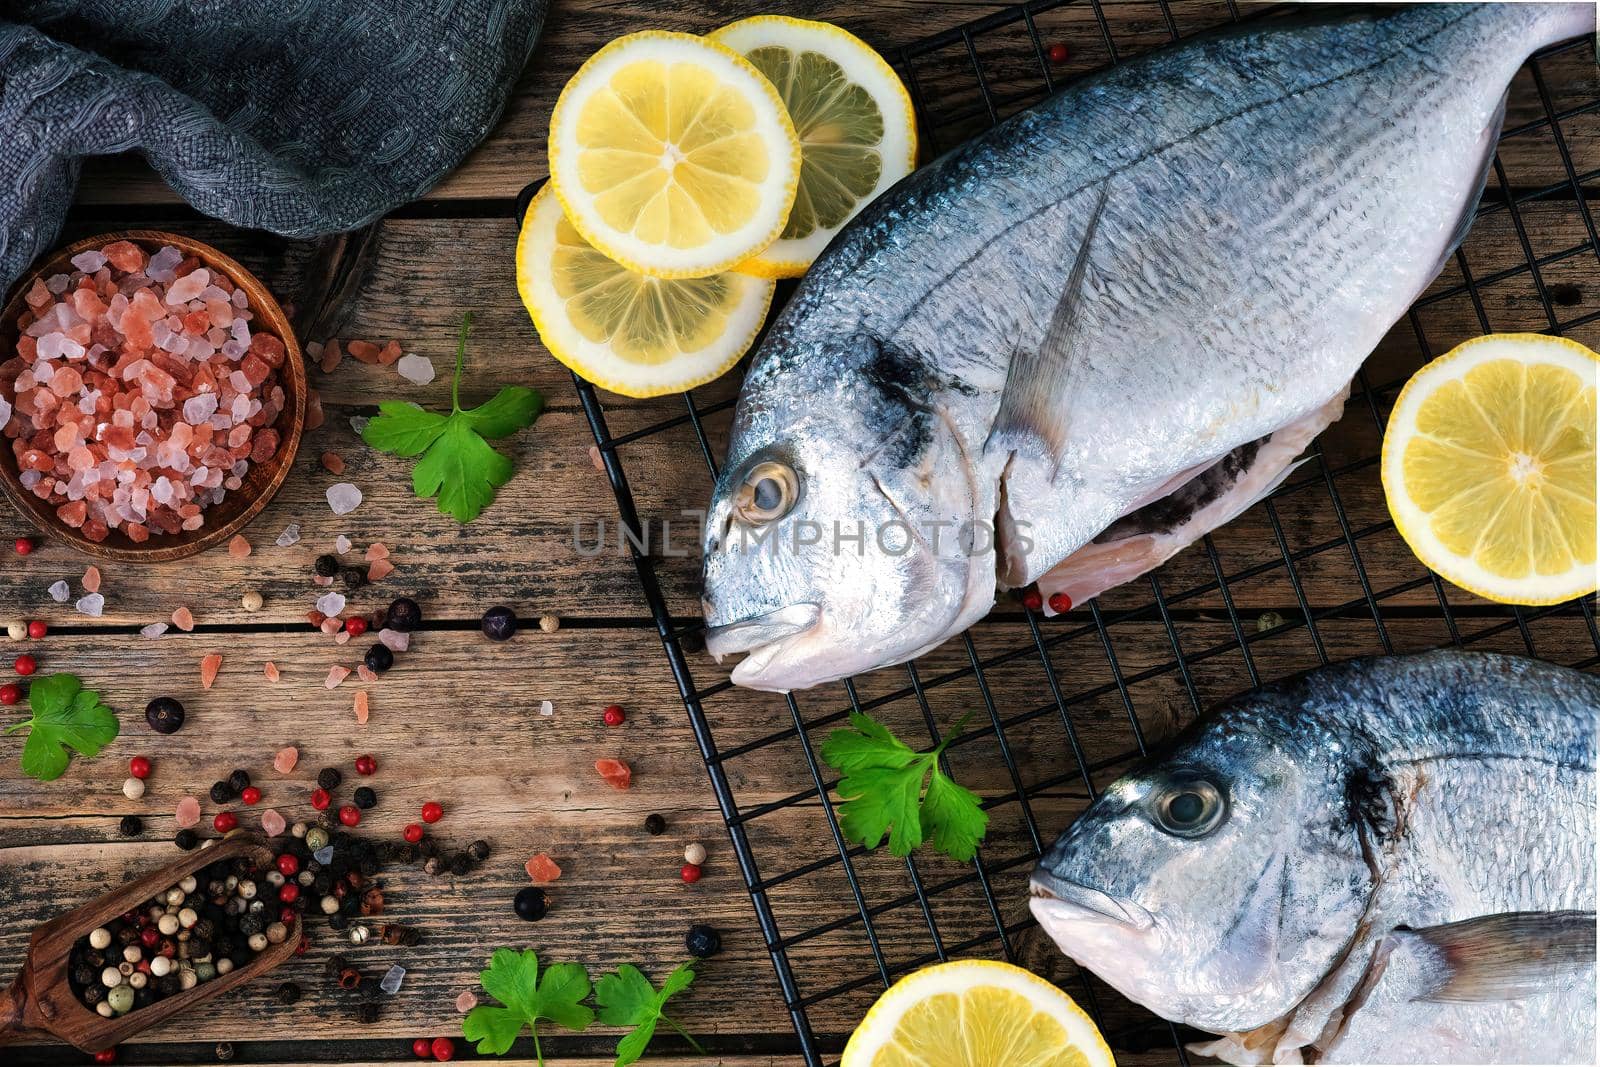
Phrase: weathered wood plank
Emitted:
{"points": [[515, 152]]}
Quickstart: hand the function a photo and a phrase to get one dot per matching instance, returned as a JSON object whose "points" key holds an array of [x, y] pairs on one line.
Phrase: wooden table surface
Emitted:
{"points": [[457, 720]]}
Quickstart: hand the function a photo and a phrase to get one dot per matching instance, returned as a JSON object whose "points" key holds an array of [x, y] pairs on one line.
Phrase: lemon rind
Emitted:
{"points": [[1412, 522], [578, 354], [599, 235]]}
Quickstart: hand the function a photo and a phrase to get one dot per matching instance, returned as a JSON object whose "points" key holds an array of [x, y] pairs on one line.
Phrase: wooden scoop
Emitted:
{"points": [[41, 1001]]}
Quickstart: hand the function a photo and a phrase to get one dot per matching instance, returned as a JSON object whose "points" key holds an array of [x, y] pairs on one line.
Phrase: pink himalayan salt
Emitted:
{"points": [[365, 673], [272, 823], [542, 868], [330, 357], [342, 637], [270, 671], [394, 640], [341, 544], [594, 458], [331, 626], [238, 548], [378, 550], [188, 813], [336, 675], [91, 580], [285, 759], [379, 570], [183, 619], [361, 707], [466, 1001], [333, 463], [210, 664]]}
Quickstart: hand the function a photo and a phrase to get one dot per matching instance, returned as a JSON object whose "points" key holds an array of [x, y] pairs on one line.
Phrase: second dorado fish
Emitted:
{"points": [[1066, 350]]}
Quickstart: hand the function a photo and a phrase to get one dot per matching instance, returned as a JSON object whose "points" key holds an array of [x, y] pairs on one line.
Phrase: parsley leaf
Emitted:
{"points": [[883, 791], [628, 999], [64, 715], [514, 980], [457, 464]]}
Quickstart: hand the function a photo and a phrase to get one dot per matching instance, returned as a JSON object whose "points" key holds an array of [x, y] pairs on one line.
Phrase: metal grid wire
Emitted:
{"points": [[1091, 633]]}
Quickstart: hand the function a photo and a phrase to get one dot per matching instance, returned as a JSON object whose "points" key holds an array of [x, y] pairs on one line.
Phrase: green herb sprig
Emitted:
{"points": [[514, 980], [627, 998], [65, 715]]}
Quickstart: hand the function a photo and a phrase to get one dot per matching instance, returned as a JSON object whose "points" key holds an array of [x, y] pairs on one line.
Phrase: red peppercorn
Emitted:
{"points": [[443, 1049], [320, 799], [105, 1055], [432, 812], [614, 715], [288, 865], [250, 795], [169, 947], [225, 821], [1060, 603], [287, 915], [142, 965], [690, 872], [1058, 53], [149, 937], [139, 767], [1032, 600], [422, 1048], [37, 629], [10, 693], [26, 665], [366, 765], [350, 815], [25, 546], [355, 626], [412, 833], [289, 892]]}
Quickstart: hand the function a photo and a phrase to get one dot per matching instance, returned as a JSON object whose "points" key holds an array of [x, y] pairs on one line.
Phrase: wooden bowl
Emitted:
{"points": [[261, 481]]}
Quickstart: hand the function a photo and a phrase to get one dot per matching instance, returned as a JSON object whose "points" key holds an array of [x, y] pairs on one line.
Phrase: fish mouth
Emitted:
{"points": [[1071, 901], [742, 635]]}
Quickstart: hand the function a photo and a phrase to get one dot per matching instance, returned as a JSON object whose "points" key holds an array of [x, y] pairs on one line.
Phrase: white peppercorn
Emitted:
{"points": [[133, 788], [99, 937]]}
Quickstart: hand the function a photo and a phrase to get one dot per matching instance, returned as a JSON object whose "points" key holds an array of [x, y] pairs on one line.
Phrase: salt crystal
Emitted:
{"points": [[163, 265], [238, 548], [188, 813], [89, 261], [361, 705], [155, 629], [546, 708], [335, 676], [239, 298], [269, 671], [320, 579], [379, 569], [392, 979], [394, 640], [210, 664], [358, 423], [187, 287], [541, 868], [323, 855], [91, 580], [377, 550], [272, 823], [59, 591], [365, 673], [285, 759], [330, 603], [92, 605], [466, 1001], [418, 369], [332, 626], [341, 544], [57, 283], [199, 408], [343, 498], [183, 619], [289, 536], [5, 411], [342, 637]]}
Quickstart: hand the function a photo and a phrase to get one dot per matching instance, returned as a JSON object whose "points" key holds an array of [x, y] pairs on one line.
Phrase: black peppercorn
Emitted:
{"points": [[1566, 295], [143, 997], [379, 658], [338, 921], [404, 615], [479, 850], [499, 624], [169, 985], [186, 839], [460, 863], [530, 903], [222, 793], [93, 992], [367, 1011], [428, 847], [703, 941], [353, 578], [164, 715], [693, 642], [239, 780], [335, 966], [326, 566], [365, 798], [224, 1051], [655, 825], [130, 826], [288, 993], [84, 975], [329, 778]]}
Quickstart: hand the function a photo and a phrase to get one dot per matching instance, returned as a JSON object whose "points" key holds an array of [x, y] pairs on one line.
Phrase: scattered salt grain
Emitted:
{"points": [[155, 629], [358, 423], [542, 868], [59, 591], [392, 979], [594, 457], [341, 544], [272, 823], [330, 603], [466, 1001], [183, 619], [335, 676], [365, 673], [322, 580], [343, 498], [91, 605], [362, 707], [238, 548], [270, 671], [394, 640], [210, 664], [418, 369], [91, 580], [333, 463], [290, 535], [285, 759], [331, 626], [379, 570], [546, 708], [323, 855], [188, 813], [378, 550]]}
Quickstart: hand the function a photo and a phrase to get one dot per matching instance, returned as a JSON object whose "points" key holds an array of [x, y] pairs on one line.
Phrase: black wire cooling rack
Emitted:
{"points": [[1065, 703]]}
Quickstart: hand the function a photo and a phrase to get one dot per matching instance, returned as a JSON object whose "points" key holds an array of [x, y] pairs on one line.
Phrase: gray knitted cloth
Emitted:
{"points": [[304, 117]]}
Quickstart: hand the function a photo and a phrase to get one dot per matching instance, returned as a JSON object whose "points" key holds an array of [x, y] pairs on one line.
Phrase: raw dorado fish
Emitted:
{"points": [[1388, 860], [1071, 347]]}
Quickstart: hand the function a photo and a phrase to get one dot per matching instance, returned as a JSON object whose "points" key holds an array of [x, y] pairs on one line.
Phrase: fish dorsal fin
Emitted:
{"points": [[1032, 405], [1499, 957]]}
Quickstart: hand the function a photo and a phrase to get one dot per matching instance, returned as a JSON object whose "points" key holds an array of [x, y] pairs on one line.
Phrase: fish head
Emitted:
{"points": [[1216, 886], [841, 536]]}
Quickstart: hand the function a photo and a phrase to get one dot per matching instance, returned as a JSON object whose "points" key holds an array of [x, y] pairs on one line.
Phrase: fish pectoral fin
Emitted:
{"points": [[1497, 957], [1032, 403]]}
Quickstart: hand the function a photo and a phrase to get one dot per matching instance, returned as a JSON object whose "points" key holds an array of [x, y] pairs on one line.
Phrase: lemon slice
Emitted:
{"points": [[673, 155], [857, 129], [625, 331], [975, 1013], [1489, 467]]}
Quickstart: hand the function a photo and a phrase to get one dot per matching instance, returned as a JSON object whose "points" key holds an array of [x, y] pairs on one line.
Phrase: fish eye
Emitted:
{"points": [[767, 494], [1190, 808]]}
